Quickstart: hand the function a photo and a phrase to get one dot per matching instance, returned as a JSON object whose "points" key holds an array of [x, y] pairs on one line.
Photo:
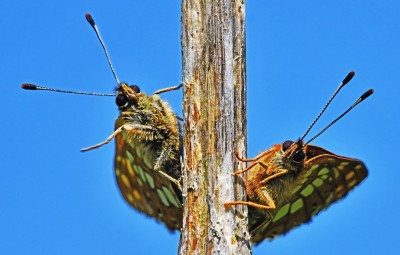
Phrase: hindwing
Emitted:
{"points": [[324, 179], [144, 188]]}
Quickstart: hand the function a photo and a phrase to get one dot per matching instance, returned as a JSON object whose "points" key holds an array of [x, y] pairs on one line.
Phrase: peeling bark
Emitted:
{"points": [[214, 110]]}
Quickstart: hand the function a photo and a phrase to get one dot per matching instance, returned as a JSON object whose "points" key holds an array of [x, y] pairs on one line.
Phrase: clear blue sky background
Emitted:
{"points": [[56, 200]]}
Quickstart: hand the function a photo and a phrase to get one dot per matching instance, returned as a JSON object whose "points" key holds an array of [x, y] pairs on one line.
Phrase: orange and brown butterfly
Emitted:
{"points": [[291, 182], [148, 149]]}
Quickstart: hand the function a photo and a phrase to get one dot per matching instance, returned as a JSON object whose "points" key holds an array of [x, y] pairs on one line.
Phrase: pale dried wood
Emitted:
{"points": [[214, 110]]}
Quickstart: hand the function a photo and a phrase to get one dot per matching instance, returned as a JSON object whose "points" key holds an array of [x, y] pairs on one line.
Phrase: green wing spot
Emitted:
{"points": [[318, 182], [149, 179], [124, 136], [162, 197], [139, 170], [358, 167], [142, 174], [329, 199], [336, 173], [297, 205], [281, 213], [130, 156], [135, 167], [117, 172], [148, 159], [170, 197], [344, 163], [324, 171], [311, 170], [139, 182], [307, 190], [324, 177]]}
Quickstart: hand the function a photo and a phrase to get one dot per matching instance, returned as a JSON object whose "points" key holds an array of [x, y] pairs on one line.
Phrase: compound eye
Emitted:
{"points": [[298, 156], [135, 88], [121, 100], [286, 145]]}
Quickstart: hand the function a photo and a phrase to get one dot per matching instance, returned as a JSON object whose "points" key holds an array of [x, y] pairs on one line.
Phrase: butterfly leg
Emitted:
{"points": [[168, 89], [229, 204], [171, 179], [133, 129], [250, 159], [253, 160], [283, 172], [262, 195], [158, 167]]}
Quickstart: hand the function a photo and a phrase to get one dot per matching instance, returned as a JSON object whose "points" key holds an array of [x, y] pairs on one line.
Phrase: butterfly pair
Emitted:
{"points": [[286, 185]]}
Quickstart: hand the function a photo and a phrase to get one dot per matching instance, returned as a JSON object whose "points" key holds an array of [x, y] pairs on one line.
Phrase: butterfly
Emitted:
{"points": [[148, 149], [293, 185], [291, 182]]}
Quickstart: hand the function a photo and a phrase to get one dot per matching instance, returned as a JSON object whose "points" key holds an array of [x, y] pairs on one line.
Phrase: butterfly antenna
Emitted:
{"points": [[90, 19], [29, 86], [341, 85], [362, 98]]}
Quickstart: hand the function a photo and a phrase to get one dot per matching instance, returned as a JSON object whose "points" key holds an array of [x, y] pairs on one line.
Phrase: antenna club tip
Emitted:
{"points": [[28, 86], [90, 19], [367, 94], [348, 77]]}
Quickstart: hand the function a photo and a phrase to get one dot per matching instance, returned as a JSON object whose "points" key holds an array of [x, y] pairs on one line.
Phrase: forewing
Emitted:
{"points": [[325, 179], [143, 188]]}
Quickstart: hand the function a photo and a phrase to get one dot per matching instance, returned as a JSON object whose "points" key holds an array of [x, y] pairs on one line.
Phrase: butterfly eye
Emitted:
{"points": [[298, 156], [135, 88], [286, 145], [121, 100]]}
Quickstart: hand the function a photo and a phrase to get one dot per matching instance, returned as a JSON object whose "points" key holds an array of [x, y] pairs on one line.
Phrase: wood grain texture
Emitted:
{"points": [[214, 110]]}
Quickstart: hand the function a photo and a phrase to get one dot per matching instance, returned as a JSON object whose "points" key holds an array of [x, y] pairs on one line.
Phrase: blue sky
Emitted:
{"points": [[56, 200]]}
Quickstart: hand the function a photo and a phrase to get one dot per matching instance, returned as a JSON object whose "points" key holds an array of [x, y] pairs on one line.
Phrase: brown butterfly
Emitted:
{"points": [[291, 182], [148, 149]]}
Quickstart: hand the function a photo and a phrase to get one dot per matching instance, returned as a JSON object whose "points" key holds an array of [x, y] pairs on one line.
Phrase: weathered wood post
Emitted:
{"points": [[214, 110]]}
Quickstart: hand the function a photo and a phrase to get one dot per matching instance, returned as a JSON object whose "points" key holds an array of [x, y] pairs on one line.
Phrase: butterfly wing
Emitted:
{"points": [[324, 179], [143, 188]]}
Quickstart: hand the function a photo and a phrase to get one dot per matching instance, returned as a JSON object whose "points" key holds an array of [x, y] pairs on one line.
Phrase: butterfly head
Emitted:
{"points": [[127, 96], [293, 154]]}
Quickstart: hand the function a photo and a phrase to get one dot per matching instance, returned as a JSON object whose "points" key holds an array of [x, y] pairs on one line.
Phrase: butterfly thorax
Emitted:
{"points": [[159, 131], [275, 161]]}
